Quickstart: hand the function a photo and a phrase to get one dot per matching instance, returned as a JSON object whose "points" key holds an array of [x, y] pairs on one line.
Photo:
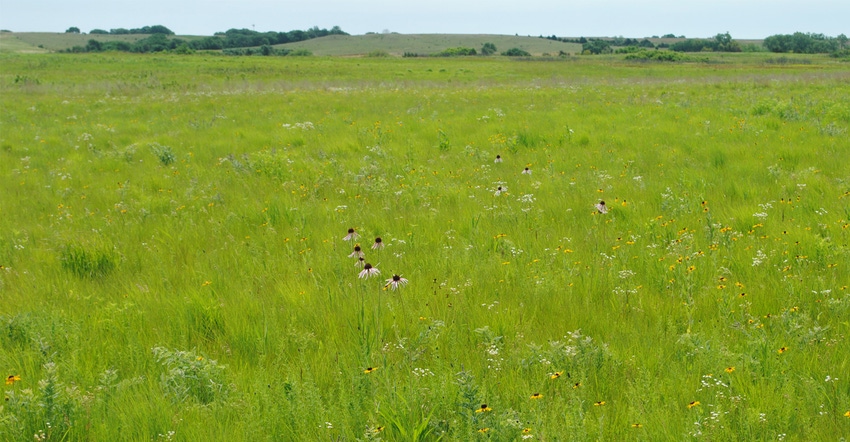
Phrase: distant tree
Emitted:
{"points": [[596, 46], [158, 29], [645, 43], [119, 31], [488, 49], [94, 46], [98, 31], [668, 36], [73, 30], [516, 52]]}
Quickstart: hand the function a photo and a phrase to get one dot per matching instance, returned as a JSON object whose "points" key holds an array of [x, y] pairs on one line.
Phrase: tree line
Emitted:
{"points": [[228, 41], [807, 43]]}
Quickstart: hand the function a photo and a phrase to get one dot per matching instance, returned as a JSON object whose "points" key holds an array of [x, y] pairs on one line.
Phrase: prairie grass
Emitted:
{"points": [[174, 263]]}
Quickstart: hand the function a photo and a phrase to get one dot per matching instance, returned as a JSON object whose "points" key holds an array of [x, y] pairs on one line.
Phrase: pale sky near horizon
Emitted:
{"points": [[743, 19]]}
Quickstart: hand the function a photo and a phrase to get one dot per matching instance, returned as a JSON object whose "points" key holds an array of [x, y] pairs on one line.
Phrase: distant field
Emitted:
{"points": [[57, 41], [398, 44]]}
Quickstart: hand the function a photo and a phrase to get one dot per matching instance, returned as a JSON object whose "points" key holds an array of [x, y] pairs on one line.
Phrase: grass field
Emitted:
{"points": [[175, 263]]}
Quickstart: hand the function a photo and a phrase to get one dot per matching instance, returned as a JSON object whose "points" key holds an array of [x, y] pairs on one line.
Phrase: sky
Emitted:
{"points": [[743, 19]]}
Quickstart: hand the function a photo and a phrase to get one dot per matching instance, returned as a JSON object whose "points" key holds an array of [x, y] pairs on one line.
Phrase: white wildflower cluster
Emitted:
{"points": [[759, 258], [422, 372], [303, 126]]}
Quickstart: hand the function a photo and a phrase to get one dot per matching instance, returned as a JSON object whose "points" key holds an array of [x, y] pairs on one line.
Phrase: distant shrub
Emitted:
{"points": [[411, 55], [380, 53], [301, 53], [456, 52], [516, 52], [488, 49], [657, 55]]}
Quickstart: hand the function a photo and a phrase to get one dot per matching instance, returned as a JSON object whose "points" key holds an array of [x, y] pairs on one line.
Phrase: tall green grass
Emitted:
{"points": [[174, 264]]}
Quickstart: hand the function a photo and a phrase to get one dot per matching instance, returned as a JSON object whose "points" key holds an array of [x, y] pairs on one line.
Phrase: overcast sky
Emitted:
{"points": [[629, 18]]}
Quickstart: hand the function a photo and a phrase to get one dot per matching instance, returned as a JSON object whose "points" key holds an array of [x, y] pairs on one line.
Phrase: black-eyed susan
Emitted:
{"points": [[601, 207], [637, 425], [484, 408], [352, 235], [395, 282], [556, 375], [368, 271], [483, 430], [693, 404], [370, 370], [12, 378], [847, 414], [357, 253], [782, 350], [729, 369], [378, 429], [537, 396], [577, 384], [599, 403], [528, 430], [378, 244]]}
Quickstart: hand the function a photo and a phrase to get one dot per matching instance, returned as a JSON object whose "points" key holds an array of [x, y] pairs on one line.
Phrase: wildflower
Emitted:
{"points": [[12, 378], [500, 190], [636, 425], [730, 369], [556, 375], [599, 404], [368, 271], [528, 430], [351, 235], [498, 159], [483, 430], [484, 408], [357, 253], [601, 207], [379, 243], [360, 262], [396, 281], [370, 369], [577, 384], [379, 429], [536, 396], [847, 414], [693, 404], [782, 350], [526, 171]]}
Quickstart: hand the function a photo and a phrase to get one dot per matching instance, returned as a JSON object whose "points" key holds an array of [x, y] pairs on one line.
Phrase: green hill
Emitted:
{"points": [[333, 45], [398, 44]]}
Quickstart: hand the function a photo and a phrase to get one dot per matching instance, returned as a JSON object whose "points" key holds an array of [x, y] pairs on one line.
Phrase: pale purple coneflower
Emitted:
{"points": [[526, 171], [499, 190], [601, 207], [368, 271], [357, 253], [351, 235], [361, 261], [498, 159], [395, 282], [379, 243]]}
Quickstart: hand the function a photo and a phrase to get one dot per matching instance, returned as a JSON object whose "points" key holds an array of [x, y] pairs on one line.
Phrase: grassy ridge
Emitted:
{"points": [[172, 246]]}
